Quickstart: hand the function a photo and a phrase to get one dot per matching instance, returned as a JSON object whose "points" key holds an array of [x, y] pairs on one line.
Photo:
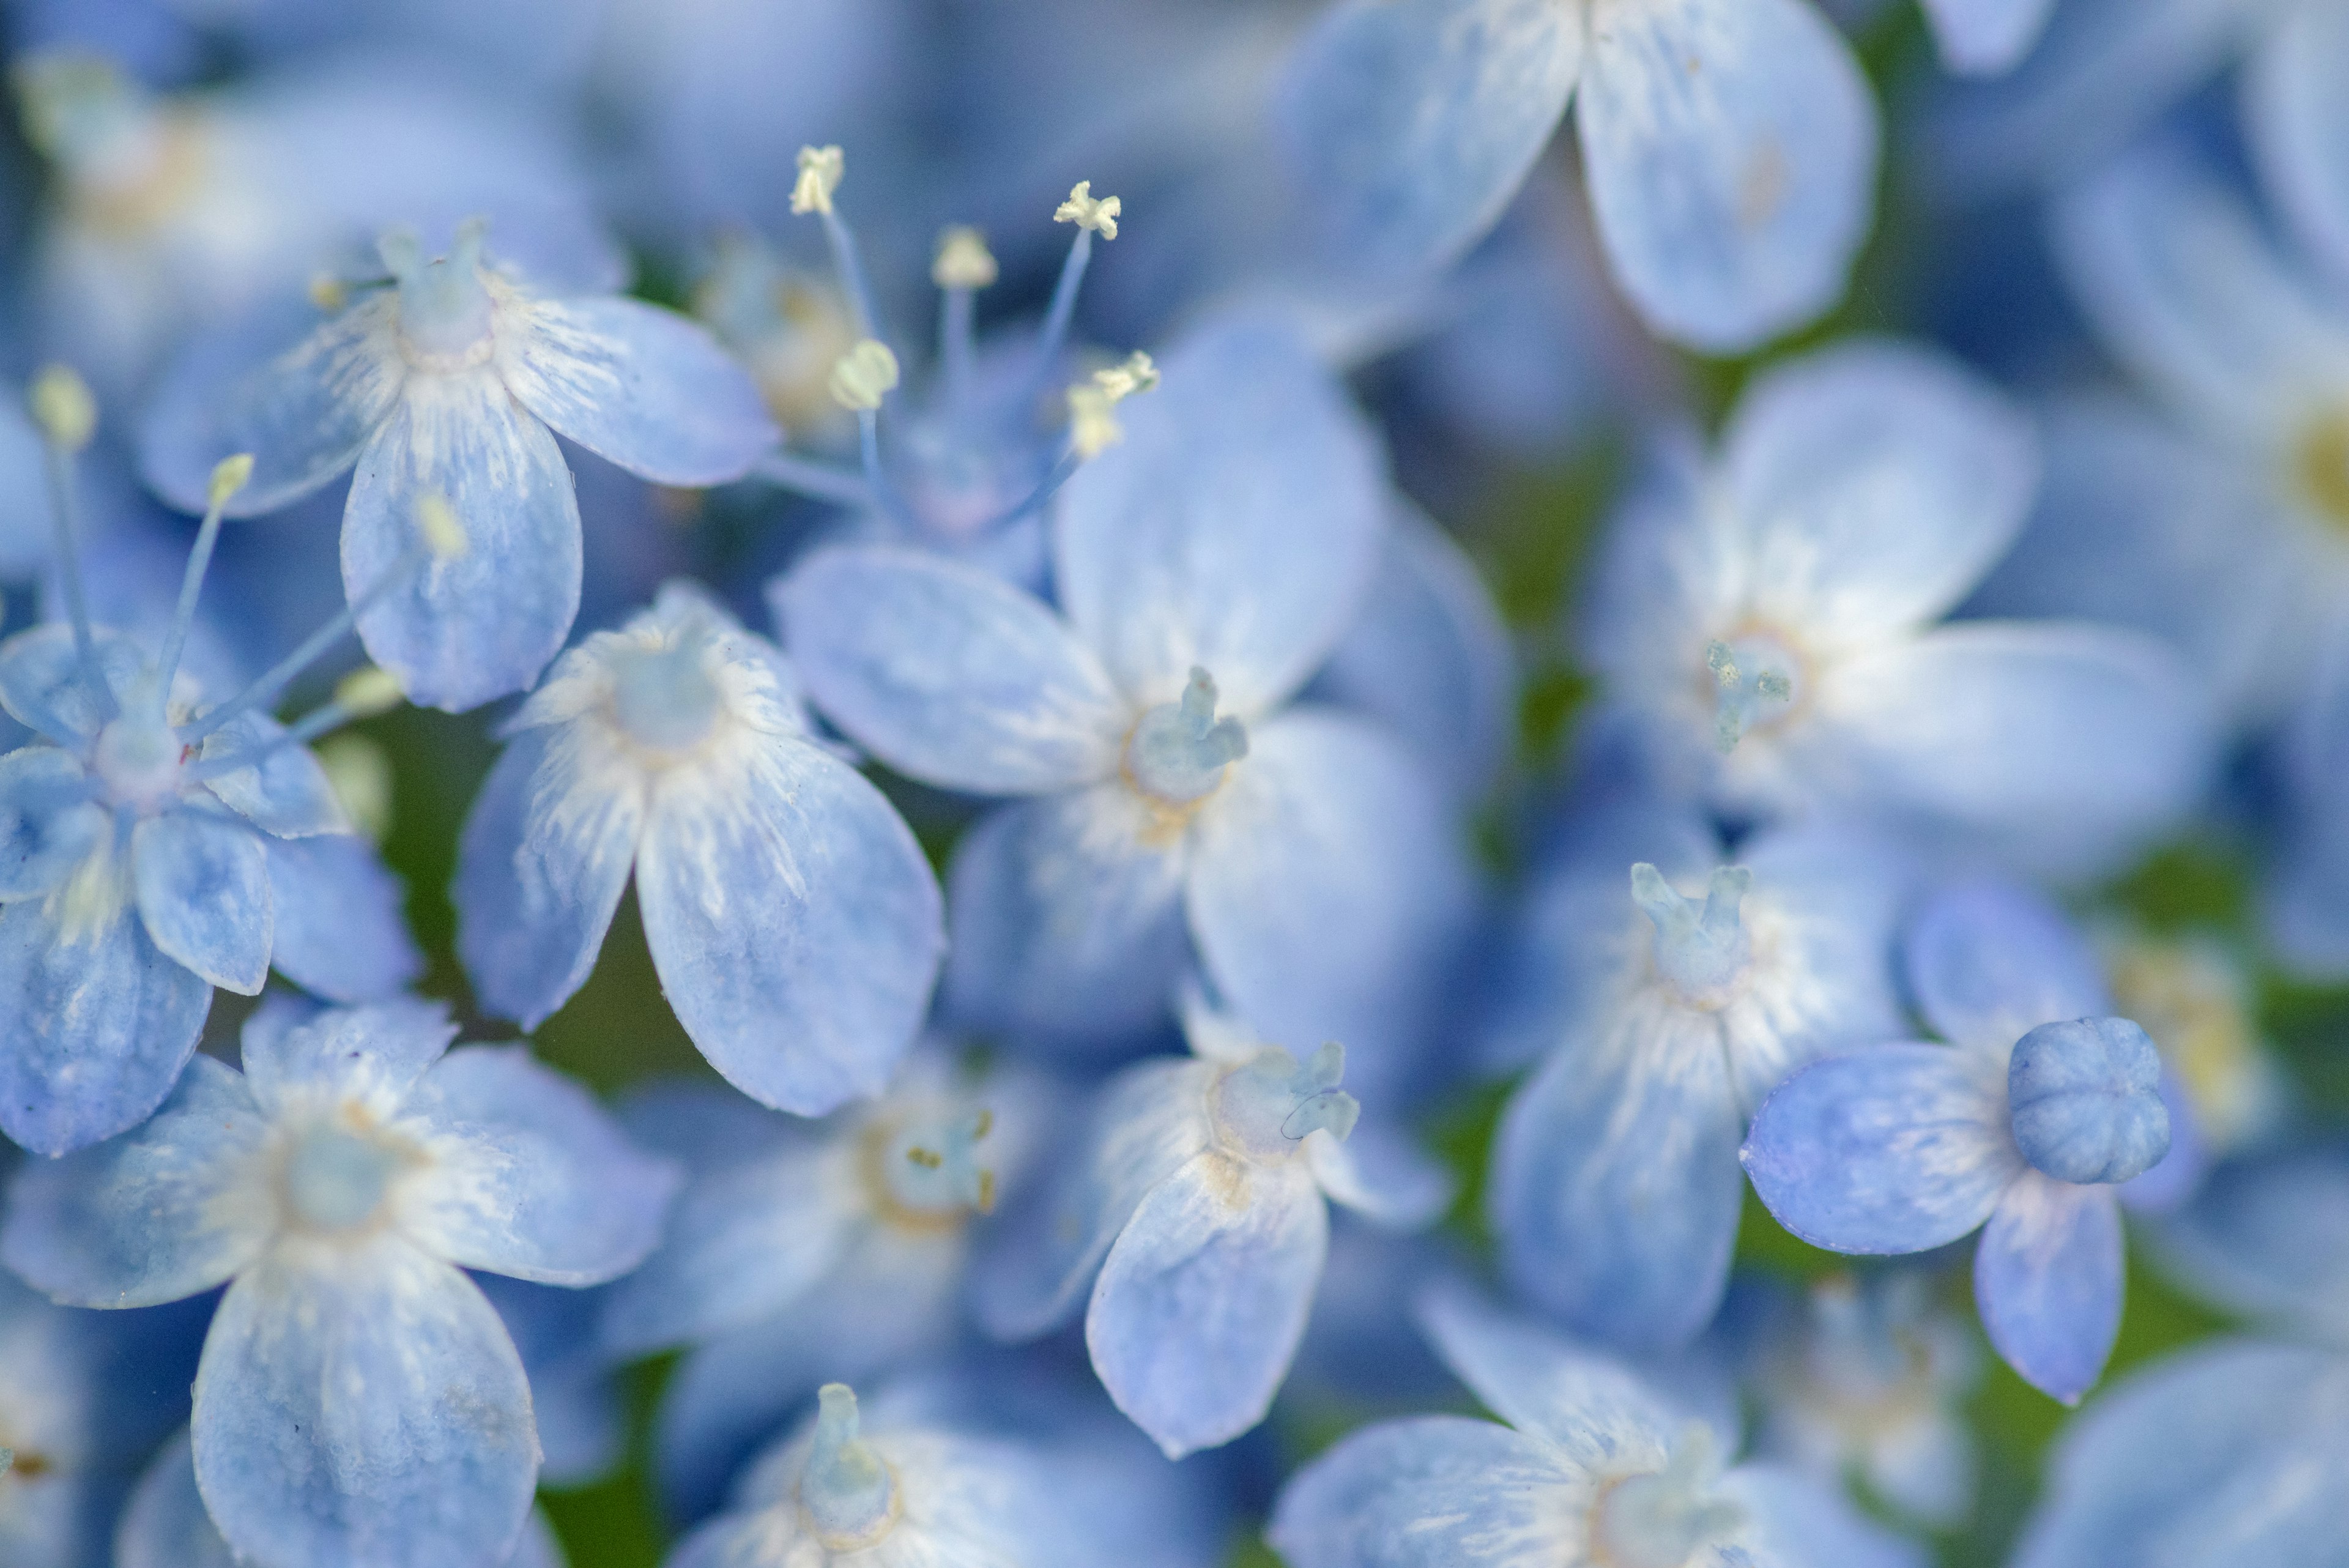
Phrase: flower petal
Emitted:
{"points": [[370, 1056], [41, 680], [1795, 1520], [1236, 528], [2298, 130], [286, 793], [2047, 1278], [1989, 962], [363, 1408], [153, 1216], [1730, 147], [482, 624], [948, 674], [794, 922], [1381, 1175], [636, 385], [1984, 37], [1894, 1148], [1201, 1303], [339, 934], [1428, 1492], [1589, 1405], [204, 892], [48, 824]]}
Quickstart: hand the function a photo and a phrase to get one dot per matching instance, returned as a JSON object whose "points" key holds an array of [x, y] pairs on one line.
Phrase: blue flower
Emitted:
{"points": [[1729, 149], [1204, 570], [451, 381], [1986, 38], [358, 1400], [1193, 1209], [1615, 1190], [1597, 1467], [793, 919], [1767, 627], [2026, 1123]]}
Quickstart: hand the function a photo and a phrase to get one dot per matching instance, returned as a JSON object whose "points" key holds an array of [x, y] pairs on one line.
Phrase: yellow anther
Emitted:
{"points": [[327, 293], [927, 1158], [370, 691], [229, 476], [1082, 210], [820, 169], [982, 1124], [1093, 419], [987, 1192], [963, 260], [864, 375], [63, 407]]}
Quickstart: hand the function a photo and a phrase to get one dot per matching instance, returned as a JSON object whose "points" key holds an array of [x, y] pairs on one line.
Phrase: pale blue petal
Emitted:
{"points": [[1823, 449], [370, 1411], [1381, 1174], [1893, 1148], [2175, 1175], [796, 927], [202, 881], [303, 400], [639, 386], [544, 859], [1987, 962], [1437, 1491], [1409, 124], [703, 1127], [1614, 1184], [1328, 892], [145, 1218], [371, 1055], [48, 824], [1795, 1520], [1429, 658], [1730, 147], [286, 793], [528, 1175], [2047, 1278], [1587, 1406], [574, 1386], [1236, 528], [948, 674], [1984, 37], [481, 625], [2299, 125], [2066, 746], [2268, 1238], [1067, 919], [1201, 1303], [339, 929], [93, 1029], [1148, 1123], [166, 1525], [41, 680]]}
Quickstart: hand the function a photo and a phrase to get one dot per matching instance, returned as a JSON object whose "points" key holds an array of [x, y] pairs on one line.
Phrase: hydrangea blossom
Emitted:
{"points": [[1766, 627], [789, 912], [451, 378], [1193, 1209], [1729, 148], [1204, 570], [2023, 1125], [358, 1399], [1614, 1188], [1596, 1468]]}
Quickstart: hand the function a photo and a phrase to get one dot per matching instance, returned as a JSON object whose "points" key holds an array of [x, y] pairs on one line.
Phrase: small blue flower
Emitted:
{"points": [[1615, 1190], [451, 381], [1986, 37], [789, 912], [1193, 1209], [1596, 1467], [359, 1401], [2040, 1104], [1204, 570]]}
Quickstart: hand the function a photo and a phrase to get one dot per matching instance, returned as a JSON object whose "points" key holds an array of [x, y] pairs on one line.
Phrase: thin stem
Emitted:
{"points": [[956, 343], [884, 495], [850, 268], [59, 468], [327, 716], [1064, 307], [809, 477], [279, 675], [183, 616], [1050, 486]]}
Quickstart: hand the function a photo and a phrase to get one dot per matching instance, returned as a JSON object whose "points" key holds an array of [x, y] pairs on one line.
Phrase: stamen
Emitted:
{"points": [[821, 171], [1091, 217], [1179, 750], [1739, 698], [809, 477], [1698, 947], [845, 1490], [1093, 421], [229, 476], [67, 415], [863, 375], [962, 265], [362, 694]]}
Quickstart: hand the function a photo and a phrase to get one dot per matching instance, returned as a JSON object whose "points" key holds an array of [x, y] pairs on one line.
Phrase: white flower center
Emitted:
{"points": [[336, 1180], [1267, 1109], [137, 760], [1178, 752], [1664, 1518], [663, 697]]}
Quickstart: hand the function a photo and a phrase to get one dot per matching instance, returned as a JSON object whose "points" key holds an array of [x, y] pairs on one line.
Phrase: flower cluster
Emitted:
{"points": [[1188, 797]]}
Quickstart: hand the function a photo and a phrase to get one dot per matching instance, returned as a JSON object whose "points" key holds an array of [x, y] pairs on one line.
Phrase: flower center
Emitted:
{"points": [[2320, 464], [137, 760], [336, 1180], [1752, 682], [444, 310], [1700, 948], [1664, 1518], [931, 1172], [663, 697], [1179, 750], [846, 1491], [1265, 1108], [2085, 1099]]}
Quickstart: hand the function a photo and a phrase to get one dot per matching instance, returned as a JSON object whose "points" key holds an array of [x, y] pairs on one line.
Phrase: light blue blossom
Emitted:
{"points": [[450, 380], [1193, 1210], [789, 912], [1768, 626], [1986, 37], [1596, 1467], [359, 1401], [1729, 149], [1204, 570], [2025, 1123], [1680, 1002]]}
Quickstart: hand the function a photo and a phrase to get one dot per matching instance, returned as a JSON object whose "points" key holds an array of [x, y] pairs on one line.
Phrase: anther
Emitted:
{"points": [[820, 169], [1088, 211], [863, 375], [963, 260]]}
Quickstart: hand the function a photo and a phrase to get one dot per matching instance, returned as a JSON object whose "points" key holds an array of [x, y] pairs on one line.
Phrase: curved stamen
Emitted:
{"points": [[67, 415]]}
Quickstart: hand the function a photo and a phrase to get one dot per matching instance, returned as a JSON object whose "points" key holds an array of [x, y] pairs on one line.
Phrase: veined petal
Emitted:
{"points": [[163, 1212], [1201, 1303], [482, 624], [2047, 1278], [2300, 127], [42, 684], [303, 412], [94, 1027], [793, 920], [1987, 962], [48, 824], [1984, 37], [203, 893], [1236, 528], [1433, 1491], [634, 384], [285, 794], [948, 674], [1730, 147], [528, 1175], [363, 1408], [1794, 1519], [1590, 1407], [338, 928], [545, 854], [1893, 1148], [1410, 125], [370, 1056], [1067, 918]]}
